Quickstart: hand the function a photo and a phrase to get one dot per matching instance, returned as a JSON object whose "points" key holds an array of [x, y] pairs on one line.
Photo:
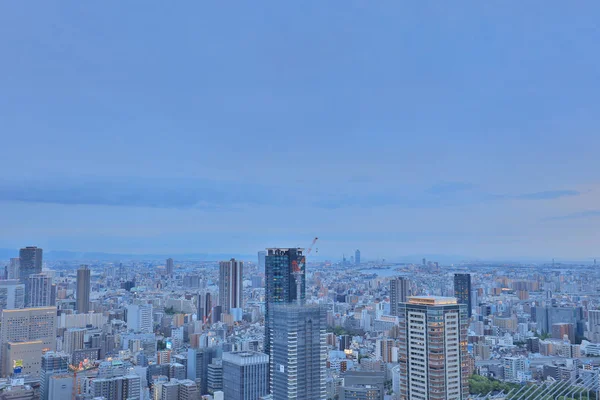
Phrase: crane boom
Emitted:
{"points": [[297, 271]]}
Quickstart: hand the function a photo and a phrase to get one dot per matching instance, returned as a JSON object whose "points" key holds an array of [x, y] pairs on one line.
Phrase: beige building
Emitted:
{"points": [[25, 357]]}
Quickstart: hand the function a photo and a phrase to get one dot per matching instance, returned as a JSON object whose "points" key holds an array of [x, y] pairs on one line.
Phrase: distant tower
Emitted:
{"points": [[261, 260], [462, 290], [231, 292], [30, 260], [204, 307], [424, 262], [83, 290], [298, 352], [433, 349], [399, 291], [280, 283], [357, 257], [170, 266], [13, 268]]}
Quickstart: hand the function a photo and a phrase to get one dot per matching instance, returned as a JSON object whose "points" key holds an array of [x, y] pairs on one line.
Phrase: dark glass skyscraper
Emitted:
{"points": [[462, 290], [280, 283], [30, 263], [399, 292], [298, 352], [83, 290]]}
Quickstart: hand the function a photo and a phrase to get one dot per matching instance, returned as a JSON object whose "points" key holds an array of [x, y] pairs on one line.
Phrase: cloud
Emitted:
{"points": [[450, 187], [155, 193], [548, 195], [576, 215]]}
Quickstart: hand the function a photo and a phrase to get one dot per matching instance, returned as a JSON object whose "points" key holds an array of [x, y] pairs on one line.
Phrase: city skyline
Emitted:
{"points": [[411, 140]]}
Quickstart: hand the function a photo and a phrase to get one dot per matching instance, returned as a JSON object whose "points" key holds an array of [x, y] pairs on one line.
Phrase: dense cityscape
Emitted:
{"points": [[283, 327]]}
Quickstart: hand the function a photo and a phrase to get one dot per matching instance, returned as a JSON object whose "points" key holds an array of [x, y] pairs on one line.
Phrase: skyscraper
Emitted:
{"points": [[357, 257], [298, 352], [170, 266], [462, 290], [261, 260], [83, 290], [52, 364], [399, 291], [245, 375], [204, 306], [40, 286], [280, 283], [27, 325], [12, 294], [30, 260], [13, 268], [230, 285], [433, 349], [139, 318]]}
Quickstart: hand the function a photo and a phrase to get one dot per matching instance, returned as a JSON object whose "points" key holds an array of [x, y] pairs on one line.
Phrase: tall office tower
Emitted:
{"points": [[261, 260], [357, 257], [198, 361], [139, 318], [27, 325], [399, 292], [231, 293], [52, 364], [12, 294], [13, 268], [433, 349], [204, 307], [83, 290], [30, 262], [245, 375], [462, 290], [40, 286], [298, 352], [280, 283], [170, 267]]}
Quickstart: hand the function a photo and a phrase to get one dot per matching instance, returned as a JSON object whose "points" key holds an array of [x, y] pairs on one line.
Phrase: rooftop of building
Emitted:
{"points": [[432, 300]]}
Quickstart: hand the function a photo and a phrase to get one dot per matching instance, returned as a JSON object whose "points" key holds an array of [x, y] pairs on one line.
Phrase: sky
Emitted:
{"points": [[400, 128]]}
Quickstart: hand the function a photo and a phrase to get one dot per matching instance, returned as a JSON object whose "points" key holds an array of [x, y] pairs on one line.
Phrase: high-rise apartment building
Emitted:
{"points": [[245, 375], [12, 294], [12, 272], [30, 262], [280, 283], [204, 307], [40, 287], [74, 339], [462, 290], [433, 349], [298, 352], [231, 292], [27, 325], [83, 289], [399, 292], [139, 318], [357, 257], [117, 388], [170, 266]]}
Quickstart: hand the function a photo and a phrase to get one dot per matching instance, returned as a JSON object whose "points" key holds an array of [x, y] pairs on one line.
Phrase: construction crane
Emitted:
{"points": [[298, 272], [82, 367]]}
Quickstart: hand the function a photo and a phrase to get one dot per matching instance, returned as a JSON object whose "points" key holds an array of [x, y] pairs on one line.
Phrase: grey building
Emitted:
{"points": [[261, 260], [399, 292], [197, 365], [245, 375], [12, 294], [40, 290], [83, 290], [462, 290], [298, 352], [231, 292], [204, 307], [280, 284], [52, 364], [215, 376], [170, 266], [30, 262], [60, 387], [357, 257], [548, 316], [363, 385]]}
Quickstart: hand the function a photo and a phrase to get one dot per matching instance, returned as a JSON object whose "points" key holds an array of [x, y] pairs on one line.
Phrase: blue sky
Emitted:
{"points": [[467, 128]]}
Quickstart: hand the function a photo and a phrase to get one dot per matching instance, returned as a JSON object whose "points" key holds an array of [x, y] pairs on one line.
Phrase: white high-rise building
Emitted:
{"points": [[139, 318], [433, 349], [13, 268], [12, 294], [40, 286]]}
